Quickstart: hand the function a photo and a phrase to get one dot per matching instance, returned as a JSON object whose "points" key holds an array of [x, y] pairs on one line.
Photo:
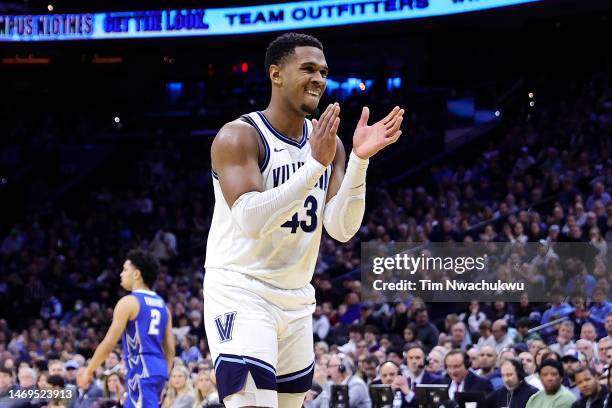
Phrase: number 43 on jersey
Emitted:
{"points": [[310, 223]]}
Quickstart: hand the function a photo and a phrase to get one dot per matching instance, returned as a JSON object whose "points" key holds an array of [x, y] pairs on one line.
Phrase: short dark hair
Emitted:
{"points": [[395, 350], [285, 45], [467, 362], [414, 345], [589, 369], [549, 362], [146, 263], [371, 359], [525, 322]]}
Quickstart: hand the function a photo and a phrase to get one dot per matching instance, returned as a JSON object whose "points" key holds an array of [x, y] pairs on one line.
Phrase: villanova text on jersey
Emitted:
{"points": [[282, 173], [143, 343]]}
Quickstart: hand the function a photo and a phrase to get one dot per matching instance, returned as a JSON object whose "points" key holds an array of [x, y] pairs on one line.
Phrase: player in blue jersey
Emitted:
{"points": [[145, 325]]}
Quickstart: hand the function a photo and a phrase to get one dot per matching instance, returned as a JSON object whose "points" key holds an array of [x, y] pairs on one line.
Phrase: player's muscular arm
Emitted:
{"points": [[168, 344], [127, 308], [234, 158]]}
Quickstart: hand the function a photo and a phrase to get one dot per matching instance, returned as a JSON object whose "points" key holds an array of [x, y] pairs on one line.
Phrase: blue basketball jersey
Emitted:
{"points": [[143, 337]]}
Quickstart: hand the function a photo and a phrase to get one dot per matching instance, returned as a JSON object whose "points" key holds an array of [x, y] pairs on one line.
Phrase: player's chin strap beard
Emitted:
{"points": [[314, 113]]}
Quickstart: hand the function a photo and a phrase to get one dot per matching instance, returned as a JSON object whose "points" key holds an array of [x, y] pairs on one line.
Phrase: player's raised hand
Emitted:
{"points": [[323, 139], [369, 140]]}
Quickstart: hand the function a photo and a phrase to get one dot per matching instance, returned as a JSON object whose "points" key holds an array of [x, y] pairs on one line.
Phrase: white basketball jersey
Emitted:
{"points": [[286, 257]]}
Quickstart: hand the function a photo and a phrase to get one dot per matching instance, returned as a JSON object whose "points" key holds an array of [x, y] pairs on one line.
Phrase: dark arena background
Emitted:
{"points": [[108, 113]]}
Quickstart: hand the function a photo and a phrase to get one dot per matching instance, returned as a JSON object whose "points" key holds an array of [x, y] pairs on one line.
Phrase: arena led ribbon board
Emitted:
{"points": [[229, 21]]}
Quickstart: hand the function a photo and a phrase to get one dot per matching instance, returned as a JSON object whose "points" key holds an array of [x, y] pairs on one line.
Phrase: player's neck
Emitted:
{"points": [[140, 286], [285, 120]]}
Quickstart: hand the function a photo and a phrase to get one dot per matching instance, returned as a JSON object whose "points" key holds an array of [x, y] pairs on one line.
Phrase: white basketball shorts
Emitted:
{"points": [[257, 329]]}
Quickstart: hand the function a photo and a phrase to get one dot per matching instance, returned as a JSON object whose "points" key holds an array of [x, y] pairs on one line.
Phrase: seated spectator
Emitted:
{"points": [[415, 367], [320, 324], [205, 391], [588, 332], [370, 336], [608, 326], [179, 392], [396, 355], [535, 345], [473, 317], [114, 390], [592, 394], [390, 375], [528, 362], [559, 308], [501, 336], [368, 369], [6, 386], [356, 332], [587, 348], [340, 371], [112, 363], [190, 353], [474, 356], [601, 306], [522, 328], [460, 378], [572, 361], [564, 338], [488, 369], [435, 359], [460, 337], [70, 375], [554, 393], [486, 337], [27, 378], [515, 391], [86, 394], [427, 333]]}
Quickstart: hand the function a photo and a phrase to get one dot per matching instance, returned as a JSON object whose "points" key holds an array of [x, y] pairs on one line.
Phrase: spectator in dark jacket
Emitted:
{"points": [[592, 394], [515, 392], [460, 378], [426, 333]]}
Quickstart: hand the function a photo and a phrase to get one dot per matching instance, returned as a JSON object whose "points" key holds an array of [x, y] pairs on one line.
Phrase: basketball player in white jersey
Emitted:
{"points": [[278, 180]]}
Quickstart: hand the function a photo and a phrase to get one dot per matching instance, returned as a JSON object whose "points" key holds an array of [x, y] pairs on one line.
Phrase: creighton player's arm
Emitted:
{"points": [[168, 344], [126, 309], [235, 159], [345, 207]]}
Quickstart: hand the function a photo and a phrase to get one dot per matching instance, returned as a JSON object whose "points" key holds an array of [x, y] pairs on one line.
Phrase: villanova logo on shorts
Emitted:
{"points": [[224, 328]]}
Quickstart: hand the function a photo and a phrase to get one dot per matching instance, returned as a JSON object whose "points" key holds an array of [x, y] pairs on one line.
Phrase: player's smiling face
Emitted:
{"points": [[304, 78]]}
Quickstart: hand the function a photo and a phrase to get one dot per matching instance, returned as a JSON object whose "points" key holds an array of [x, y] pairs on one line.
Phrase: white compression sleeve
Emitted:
{"points": [[256, 213], [343, 214]]}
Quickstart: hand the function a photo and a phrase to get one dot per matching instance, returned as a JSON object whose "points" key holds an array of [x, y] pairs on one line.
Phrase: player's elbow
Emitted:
{"points": [[343, 237], [337, 231]]}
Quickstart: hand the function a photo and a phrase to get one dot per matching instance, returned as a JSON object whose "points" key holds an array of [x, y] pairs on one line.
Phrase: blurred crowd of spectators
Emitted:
{"points": [[547, 180]]}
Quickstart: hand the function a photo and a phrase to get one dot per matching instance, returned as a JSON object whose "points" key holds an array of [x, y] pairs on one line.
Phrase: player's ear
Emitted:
{"points": [[275, 75]]}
